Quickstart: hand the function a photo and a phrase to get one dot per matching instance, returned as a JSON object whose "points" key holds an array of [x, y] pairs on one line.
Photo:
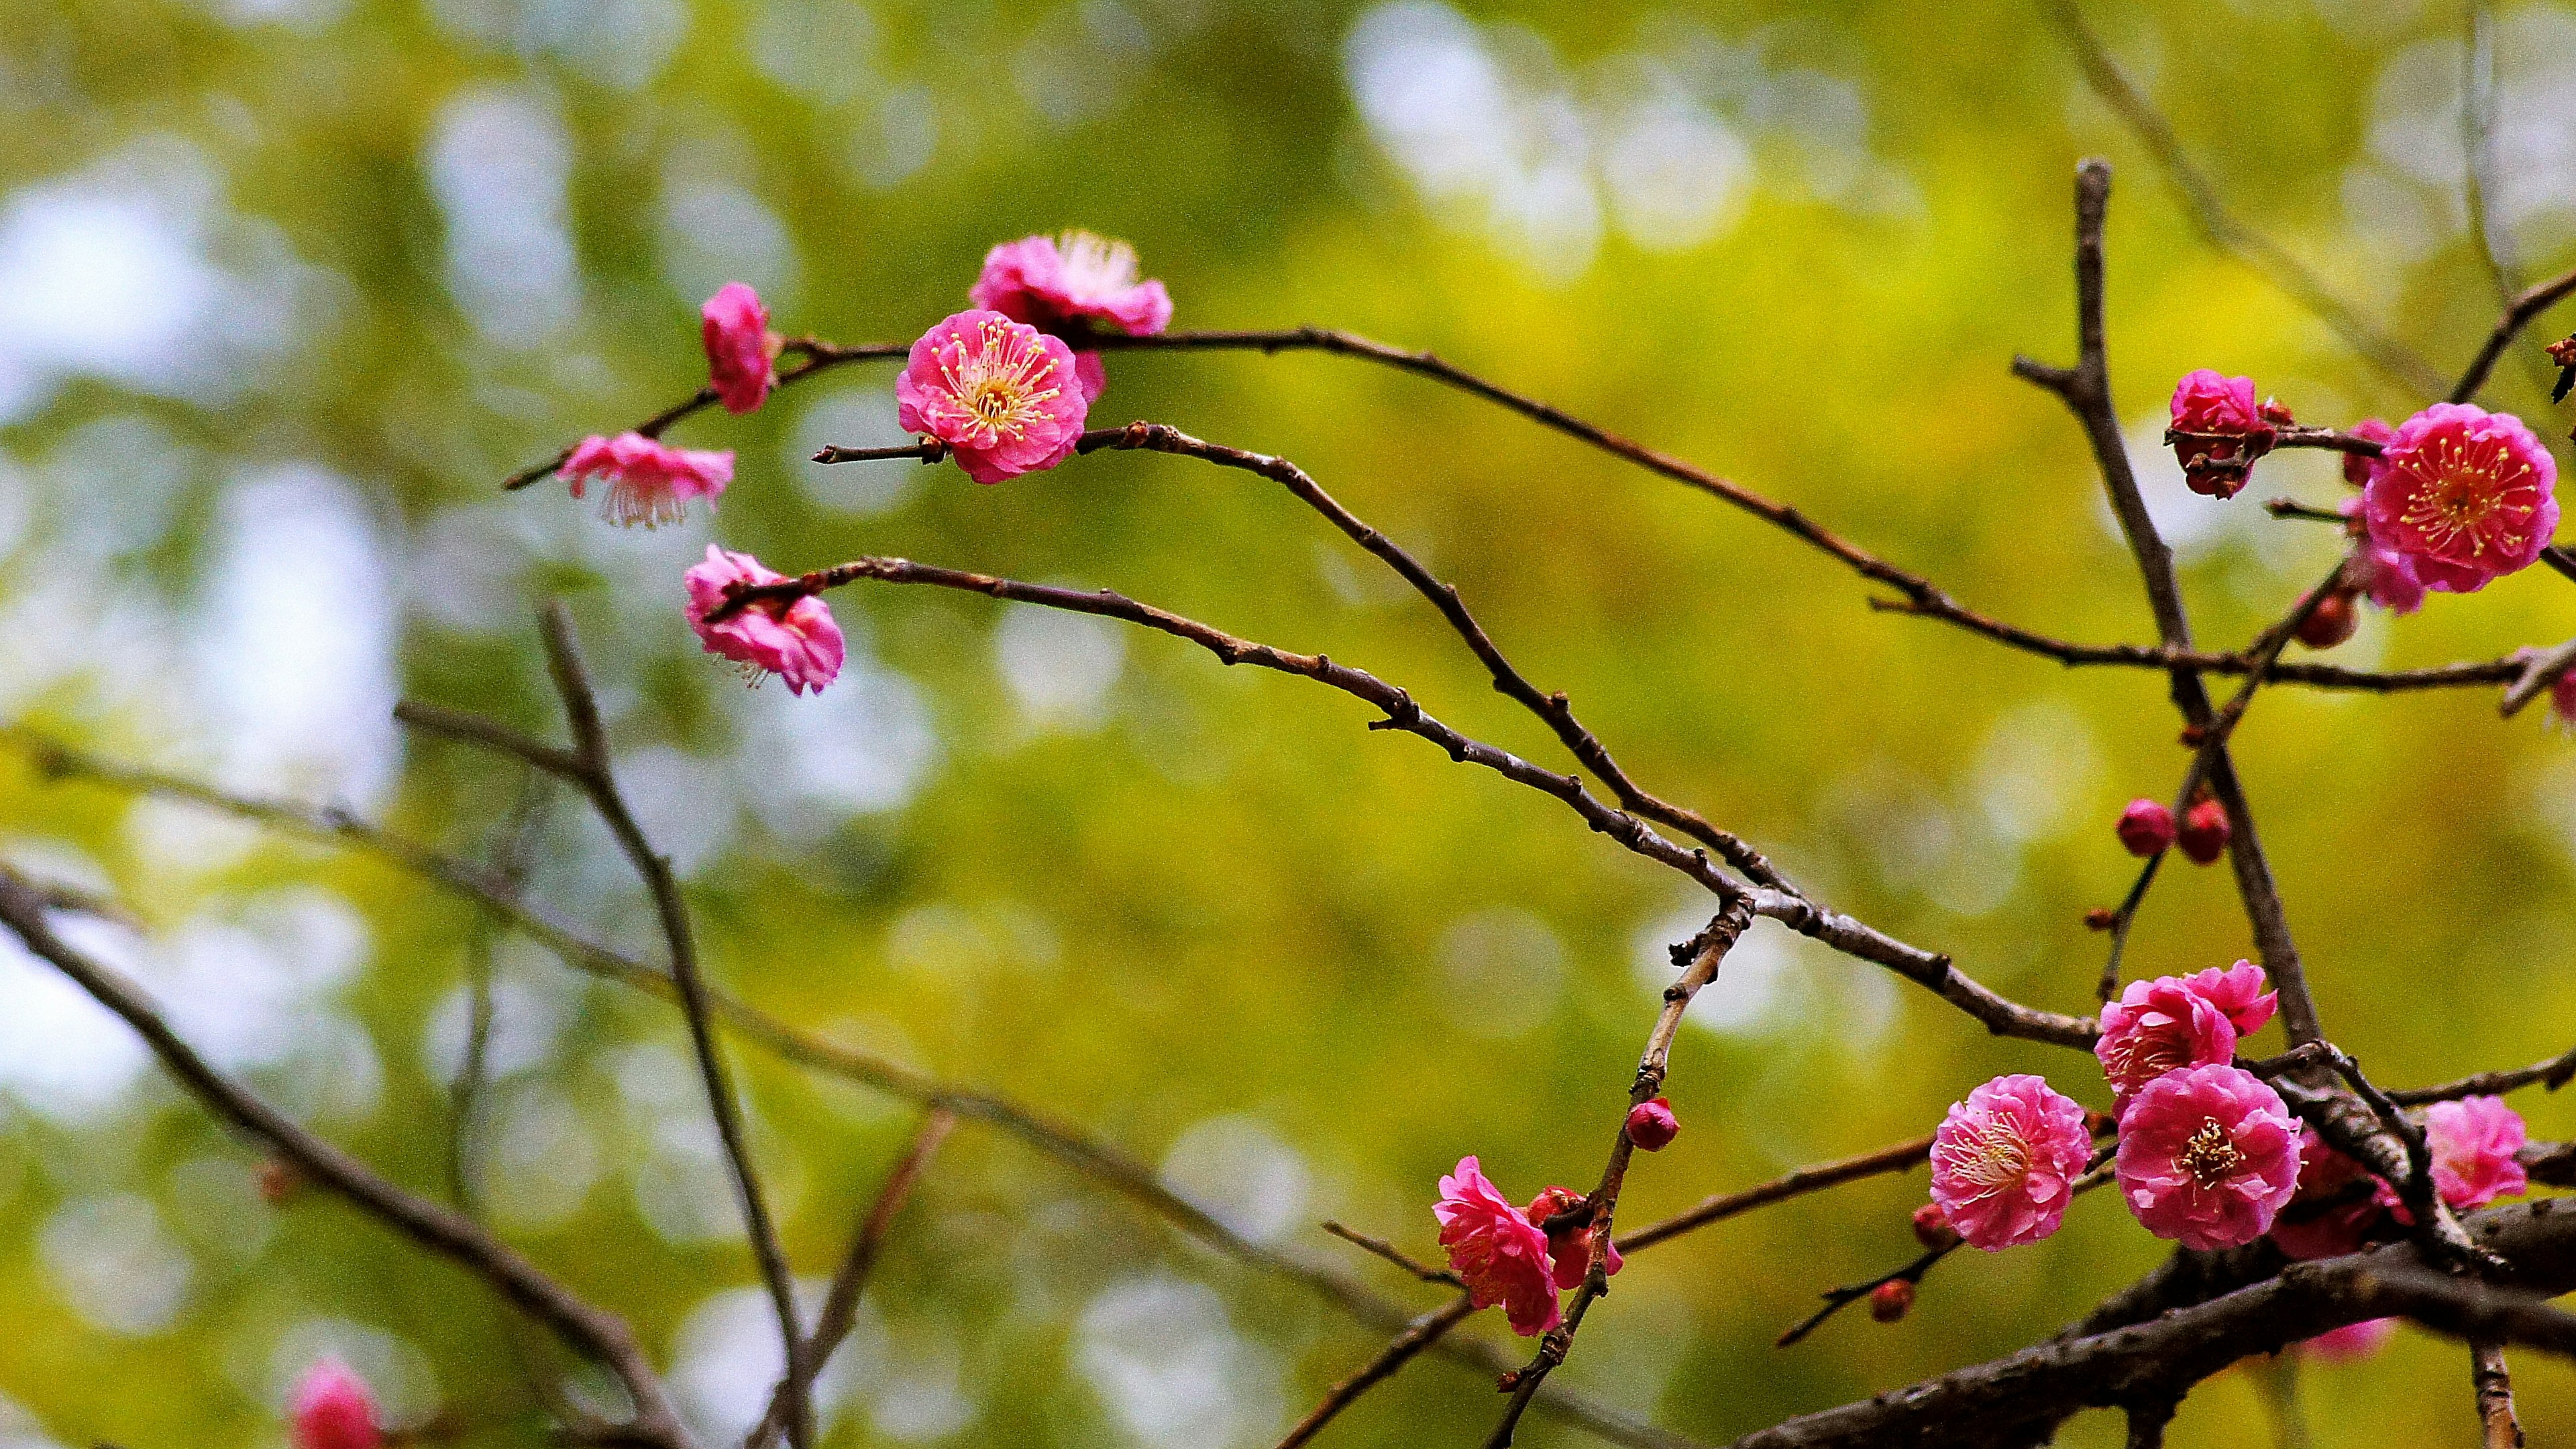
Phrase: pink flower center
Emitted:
{"points": [[1001, 384], [2211, 1156], [1992, 1156], [2143, 1058], [2464, 497]]}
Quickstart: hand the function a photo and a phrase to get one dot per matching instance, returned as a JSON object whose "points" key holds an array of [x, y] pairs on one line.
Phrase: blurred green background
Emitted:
{"points": [[286, 286]]}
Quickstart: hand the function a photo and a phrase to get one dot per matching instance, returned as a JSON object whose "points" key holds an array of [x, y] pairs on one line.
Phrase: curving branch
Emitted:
{"points": [[590, 1331], [2524, 310]]}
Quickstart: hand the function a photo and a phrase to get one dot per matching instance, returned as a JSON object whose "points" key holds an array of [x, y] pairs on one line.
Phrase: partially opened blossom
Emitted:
{"points": [[2161, 1026], [2360, 468], [334, 1409], [2004, 1162], [2218, 431], [1001, 394], [795, 639], [1077, 279], [2473, 1141], [742, 353], [1652, 1125], [1569, 1249], [2352, 1341], [1497, 1250], [2331, 1213], [2203, 832], [2145, 827], [647, 481], [2465, 495], [2208, 1156], [2241, 992]]}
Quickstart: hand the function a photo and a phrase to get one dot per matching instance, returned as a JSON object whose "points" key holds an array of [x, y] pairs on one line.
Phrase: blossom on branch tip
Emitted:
{"points": [[2330, 1214], [648, 481], [2170, 1023], [1570, 1249], [2219, 430], [334, 1409], [2352, 1341], [2209, 1156], [742, 353], [2145, 827], [1001, 394], [1495, 1248], [795, 639], [1652, 1125], [2203, 832], [2004, 1162], [1889, 1301], [1932, 1227], [2473, 1142], [2466, 496]]}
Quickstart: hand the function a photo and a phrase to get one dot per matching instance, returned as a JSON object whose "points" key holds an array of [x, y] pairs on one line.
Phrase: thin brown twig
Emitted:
{"points": [[2525, 310], [2553, 1074], [1418, 1335], [818, 356], [1839, 1298], [1393, 1254], [1899, 1157], [591, 1331]]}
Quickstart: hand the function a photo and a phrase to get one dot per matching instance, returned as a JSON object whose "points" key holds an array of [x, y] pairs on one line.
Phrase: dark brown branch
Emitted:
{"points": [[2542, 673], [1839, 1298], [588, 1330], [2220, 227], [818, 356], [2524, 311], [2553, 1073], [1393, 1254], [2492, 1382], [841, 1303], [1418, 1335], [1085, 1155], [1901, 1157]]}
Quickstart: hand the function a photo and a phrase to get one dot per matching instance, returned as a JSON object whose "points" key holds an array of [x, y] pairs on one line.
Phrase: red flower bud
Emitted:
{"points": [[1652, 1126], [2203, 835], [1888, 1301], [1931, 1228], [2101, 918], [2145, 827], [278, 1180], [2562, 352], [2331, 622], [2277, 413]]}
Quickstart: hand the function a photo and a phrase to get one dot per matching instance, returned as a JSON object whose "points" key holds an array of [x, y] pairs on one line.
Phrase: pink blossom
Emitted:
{"points": [[2465, 495], [2005, 1161], [2387, 576], [796, 640], [2203, 832], [2360, 468], [2209, 1155], [742, 353], [2352, 1341], [2474, 1141], [2157, 1027], [1502, 1255], [1569, 1249], [1652, 1125], [334, 1409], [2218, 431], [1057, 283], [2327, 1216], [1001, 394], [649, 482], [2238, 992], [2145, 827], [2562, 700]]}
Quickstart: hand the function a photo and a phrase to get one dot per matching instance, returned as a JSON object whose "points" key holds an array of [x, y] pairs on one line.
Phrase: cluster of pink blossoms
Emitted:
{"points": [[1506, 1254], [333, 1409], [1004, 387]]}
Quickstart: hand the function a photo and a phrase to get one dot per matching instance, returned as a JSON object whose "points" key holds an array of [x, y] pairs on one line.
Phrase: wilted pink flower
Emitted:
{"points": [[2145, 827], [742, 353], [1001, 394], [2352, 1341], [2203, 832], [1652, 1125], [2359, 468], [2208, 1156], [2473, 1141], [2465, 495], [1570, 1250], [1494, 1246], [796, 639], [648, 481], [2005, 1161], [1058, 283], [2161, 1026], [2327, 1216], [334, 1409], [2218, 431], [2238, 992]]}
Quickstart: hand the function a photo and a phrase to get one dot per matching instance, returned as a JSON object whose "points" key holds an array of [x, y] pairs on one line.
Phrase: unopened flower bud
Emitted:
{"points": [[2203, 833], [2562, 352], [1888, 1301], [2331, 622], [2101, 918], [2191, 736], [1652, 1126], [2277, 413], [2145, 827], [1932, 1228], [278, 1181]]}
